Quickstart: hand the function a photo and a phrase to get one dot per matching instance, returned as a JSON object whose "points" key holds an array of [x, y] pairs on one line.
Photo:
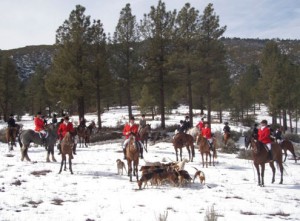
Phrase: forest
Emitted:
{"points": [[166, 59]]}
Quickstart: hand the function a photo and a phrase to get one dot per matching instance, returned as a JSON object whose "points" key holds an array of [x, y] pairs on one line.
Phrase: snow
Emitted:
{"points": [[96, 192]]}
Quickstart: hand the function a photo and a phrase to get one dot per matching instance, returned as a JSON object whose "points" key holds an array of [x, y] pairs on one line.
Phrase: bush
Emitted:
{"points": [[235, 136], [292, 137], [248, 121], [230, 147], [211, 214], [245, 154]]}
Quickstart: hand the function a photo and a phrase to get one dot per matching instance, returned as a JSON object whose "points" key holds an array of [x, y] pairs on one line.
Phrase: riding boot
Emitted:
{"points": [[124, 152], [59, 148], [270, 155]]}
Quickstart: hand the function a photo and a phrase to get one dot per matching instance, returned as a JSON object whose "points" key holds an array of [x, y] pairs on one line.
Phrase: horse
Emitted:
{"points": [[132, 156], [261, 157], [67, 144], [179, 141], [205, 149], [84, 133], [30, 136], [11, 135], [287, 145], [226, 137], [144, 135]]}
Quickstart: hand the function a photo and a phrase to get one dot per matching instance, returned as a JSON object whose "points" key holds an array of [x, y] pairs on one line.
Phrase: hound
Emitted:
{"points": [[199, 174], [120, 166]]}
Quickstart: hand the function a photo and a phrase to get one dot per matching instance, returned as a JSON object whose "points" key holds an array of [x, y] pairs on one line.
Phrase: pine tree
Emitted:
{"points": [[211, 52], [125, 39], [157, 30], [70, 79], [9, 87], [186, 32]]}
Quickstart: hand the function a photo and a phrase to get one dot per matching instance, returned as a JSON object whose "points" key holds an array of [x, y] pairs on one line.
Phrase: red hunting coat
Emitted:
{"points": [[264, 135], [63, 129], [131, 129], [39, 124], [200, 125], [206, 132]]}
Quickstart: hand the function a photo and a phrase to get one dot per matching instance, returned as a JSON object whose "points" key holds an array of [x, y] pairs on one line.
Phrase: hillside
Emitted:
{"points": [[240, 53]]}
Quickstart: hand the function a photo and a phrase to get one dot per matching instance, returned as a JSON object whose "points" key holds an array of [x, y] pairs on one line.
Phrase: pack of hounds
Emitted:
{"points": [[157, 173]]}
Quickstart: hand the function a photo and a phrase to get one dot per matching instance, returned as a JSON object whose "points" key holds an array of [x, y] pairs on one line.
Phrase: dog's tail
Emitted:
{"points": [[195, 168]]}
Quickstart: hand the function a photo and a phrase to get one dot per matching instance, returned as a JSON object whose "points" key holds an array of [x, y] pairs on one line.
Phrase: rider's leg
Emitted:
{"points": [[140, 144], [59, 147], [124, 147]]}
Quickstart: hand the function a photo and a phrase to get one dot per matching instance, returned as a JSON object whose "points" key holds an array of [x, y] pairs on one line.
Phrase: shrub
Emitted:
{"points": [[292, 137], [245, 154]]}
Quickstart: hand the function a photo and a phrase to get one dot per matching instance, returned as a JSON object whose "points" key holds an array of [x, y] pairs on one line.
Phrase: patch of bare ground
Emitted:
{"points": [[279, 213], [248, 213], [34, 204], [57, 201], [40, 173], [16, 183], [233, 197]]}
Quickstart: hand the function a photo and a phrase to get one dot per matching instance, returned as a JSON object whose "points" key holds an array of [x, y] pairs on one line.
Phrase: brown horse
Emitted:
{"points": [[180, 140], [84, 133], [205, 149], [261, 157], [226, 137], [132, 156], [287, 145], [11, 134], [67, 144], [144, 135]]}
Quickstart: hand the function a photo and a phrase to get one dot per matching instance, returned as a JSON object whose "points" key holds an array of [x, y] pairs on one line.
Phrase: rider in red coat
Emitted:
{"points": [[63, 128], [132, 128], [200, 124], [39, 123], [206, 133], [264, 136]]}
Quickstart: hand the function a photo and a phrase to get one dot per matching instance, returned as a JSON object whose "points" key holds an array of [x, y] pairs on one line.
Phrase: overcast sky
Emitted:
{"points": [[34, 22]]}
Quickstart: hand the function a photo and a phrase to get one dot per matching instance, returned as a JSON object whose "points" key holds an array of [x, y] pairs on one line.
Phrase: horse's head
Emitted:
{"points": [[131, 142], [256, 145]]}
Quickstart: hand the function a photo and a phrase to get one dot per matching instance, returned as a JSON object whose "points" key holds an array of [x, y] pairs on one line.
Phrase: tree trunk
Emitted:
{"points": [[81, 107], [201, 105], [98, 103], [190, 98], [208, 102], [162, 98], [284, 120]]}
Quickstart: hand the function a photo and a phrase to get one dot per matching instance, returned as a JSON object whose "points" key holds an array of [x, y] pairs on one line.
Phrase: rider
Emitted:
{"points": [[131, 128], [278, 135], [226, 128], [186, 124], [54, 119], [200, 124], [143, 123], [82, 122], [206, 133], [255, 131], [40, 126], [64, 127], [264, 137], [181, 127]]}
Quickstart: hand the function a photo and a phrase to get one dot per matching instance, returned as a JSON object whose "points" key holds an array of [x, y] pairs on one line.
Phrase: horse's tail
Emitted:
{"points": [[19, 139]]}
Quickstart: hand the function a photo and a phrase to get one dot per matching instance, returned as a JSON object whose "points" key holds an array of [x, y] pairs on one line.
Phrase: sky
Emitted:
{"points": [[34, 22], [96, 192]]}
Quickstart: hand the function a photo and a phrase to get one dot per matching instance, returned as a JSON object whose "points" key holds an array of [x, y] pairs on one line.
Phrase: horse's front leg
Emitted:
{"points": [[181, 154], [61, 165], [262, 175], [273, 171], [202, 159], [26, 154], [258, 173], [176, 151], [51, 151], [285, 154], [188, 149], [70, 164], [136, 170]]}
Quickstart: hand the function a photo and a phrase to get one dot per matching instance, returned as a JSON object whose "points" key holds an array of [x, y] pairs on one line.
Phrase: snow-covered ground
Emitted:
{"points": [[96, 192]]}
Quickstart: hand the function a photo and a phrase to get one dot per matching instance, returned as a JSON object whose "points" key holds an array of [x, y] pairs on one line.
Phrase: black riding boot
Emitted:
{"points": [[270, 155], [124, 152], [59, 148]]}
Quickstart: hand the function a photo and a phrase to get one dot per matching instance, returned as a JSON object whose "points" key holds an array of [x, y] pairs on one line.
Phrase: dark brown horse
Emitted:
{"points": [[84, 133], [132, 156], [261, 157], [144, 135], [11, 134], [205, 149], [180, 140], [226, 137], [67, 144], [287, 145]]}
